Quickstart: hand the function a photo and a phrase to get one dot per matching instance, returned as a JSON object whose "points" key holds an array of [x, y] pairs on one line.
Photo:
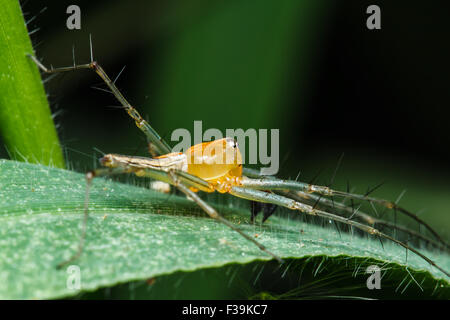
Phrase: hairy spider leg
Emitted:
{"points": [[262, 196], [279, 184], [300, 195], [327, 204], [152, 136]]}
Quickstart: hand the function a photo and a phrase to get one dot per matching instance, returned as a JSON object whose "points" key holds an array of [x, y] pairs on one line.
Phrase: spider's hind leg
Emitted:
{"points": [[262, 196], [274, 184]]}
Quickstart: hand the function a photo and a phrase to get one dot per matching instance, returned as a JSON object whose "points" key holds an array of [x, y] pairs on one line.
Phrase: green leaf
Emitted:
{"points": [[26, 124], [135, 234]]}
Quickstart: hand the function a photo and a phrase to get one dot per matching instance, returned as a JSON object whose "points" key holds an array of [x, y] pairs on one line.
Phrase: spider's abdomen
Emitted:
{"points": [[219, 162]]}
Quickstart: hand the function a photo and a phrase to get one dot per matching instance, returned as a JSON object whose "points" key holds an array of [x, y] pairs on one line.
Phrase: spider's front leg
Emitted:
{"points": [[156, 142]]}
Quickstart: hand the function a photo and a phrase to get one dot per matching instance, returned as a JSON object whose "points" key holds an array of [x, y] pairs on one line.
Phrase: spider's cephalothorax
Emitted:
{"points": [[218, 162]]}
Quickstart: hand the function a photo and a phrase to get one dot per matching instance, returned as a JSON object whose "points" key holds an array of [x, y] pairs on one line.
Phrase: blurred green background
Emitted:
{"points": [[310, 68]]}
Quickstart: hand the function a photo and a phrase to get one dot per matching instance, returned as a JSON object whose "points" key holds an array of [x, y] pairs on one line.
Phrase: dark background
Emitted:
{"points": [[310, 68]]}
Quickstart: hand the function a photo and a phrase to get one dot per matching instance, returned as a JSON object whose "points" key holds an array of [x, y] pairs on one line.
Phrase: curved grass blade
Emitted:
{"points": [[26, 124]]}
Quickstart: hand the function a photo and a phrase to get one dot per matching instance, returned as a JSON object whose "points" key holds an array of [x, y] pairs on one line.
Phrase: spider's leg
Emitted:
{"points": [[303, 196], [262, 196], [272, 183], [214, 214], [158, 144], [329, 205], [89, 177]]}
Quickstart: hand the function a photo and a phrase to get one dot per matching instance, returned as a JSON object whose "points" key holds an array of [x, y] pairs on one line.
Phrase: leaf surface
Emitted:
{"points": [[135, 233]]}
